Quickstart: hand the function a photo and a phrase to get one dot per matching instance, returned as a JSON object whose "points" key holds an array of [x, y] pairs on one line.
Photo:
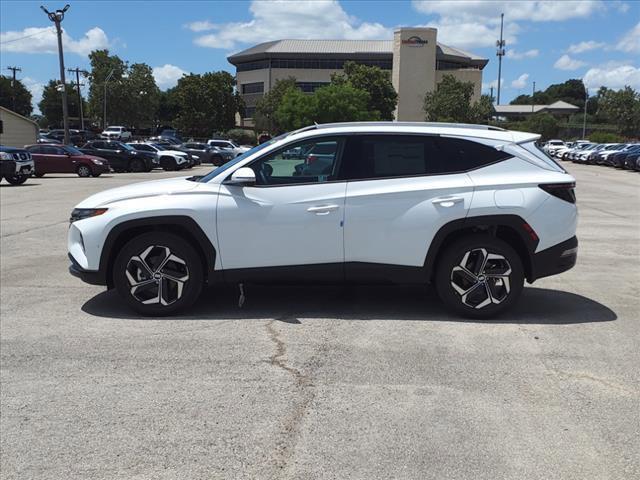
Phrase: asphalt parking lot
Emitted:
{"points": [[319, 383]]}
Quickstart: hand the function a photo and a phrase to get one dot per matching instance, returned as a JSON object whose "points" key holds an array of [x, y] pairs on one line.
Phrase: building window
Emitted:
{"points": [[248, 66], [326, 64], [442, 65], [310, 87], [257, 87], [249, 112]]}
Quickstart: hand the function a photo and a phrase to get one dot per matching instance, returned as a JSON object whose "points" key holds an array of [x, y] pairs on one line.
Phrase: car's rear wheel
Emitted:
{"points": [[136, 165], [83, 171], [217, 160], [16, 179], [158, 274], [479, 276]]}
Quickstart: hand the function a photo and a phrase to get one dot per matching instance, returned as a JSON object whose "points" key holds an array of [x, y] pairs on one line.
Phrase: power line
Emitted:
{"points": [[78, 71], [50, 30]]}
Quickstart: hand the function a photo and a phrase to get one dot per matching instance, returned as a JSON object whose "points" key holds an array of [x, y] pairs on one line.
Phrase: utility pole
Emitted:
{"points": [[584, 119], [491, 93], [57, 17], [13, 85], [77, 71], [104, 117], [500, 53], [533, 93]]}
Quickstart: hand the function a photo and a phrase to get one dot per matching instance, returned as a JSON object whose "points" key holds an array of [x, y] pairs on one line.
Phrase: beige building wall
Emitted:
{"points": [[414, 70], [17, 131], [465, 75]]}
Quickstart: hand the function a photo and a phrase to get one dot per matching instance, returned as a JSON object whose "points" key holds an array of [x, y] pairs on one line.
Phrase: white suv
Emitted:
{"points": [[116, 133], [474, 210]]}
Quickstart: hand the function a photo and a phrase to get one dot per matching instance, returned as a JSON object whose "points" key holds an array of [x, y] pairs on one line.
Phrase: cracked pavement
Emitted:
{"points": [[319, 382]]}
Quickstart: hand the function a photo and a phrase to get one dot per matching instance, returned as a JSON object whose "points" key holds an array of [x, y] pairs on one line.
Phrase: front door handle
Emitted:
{"points": [[323, 209], [447, 201]]}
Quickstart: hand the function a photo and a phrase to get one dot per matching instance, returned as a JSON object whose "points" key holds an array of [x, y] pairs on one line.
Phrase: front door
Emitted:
{"points": [[289, 225]]}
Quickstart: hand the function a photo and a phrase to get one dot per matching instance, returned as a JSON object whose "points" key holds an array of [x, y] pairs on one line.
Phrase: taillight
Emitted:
{"points": [[563, 191], [311, 159]]}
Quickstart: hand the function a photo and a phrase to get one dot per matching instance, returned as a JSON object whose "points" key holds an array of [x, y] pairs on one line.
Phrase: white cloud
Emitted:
{"points": [[630, 42], [536, 11], [515, 55], [472, 34], [43, 40], [273, 20], [36, 88], [201, 26], [520, 82], [565, 62], [167, 76], [585, 46], [493, 84], [612, 76]]}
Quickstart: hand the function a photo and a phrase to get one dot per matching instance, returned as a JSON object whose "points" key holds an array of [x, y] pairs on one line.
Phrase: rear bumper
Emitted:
{"points": [[554, 260], [92, 277]]}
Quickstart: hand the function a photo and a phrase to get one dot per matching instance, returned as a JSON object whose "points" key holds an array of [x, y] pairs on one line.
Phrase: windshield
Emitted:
{"points": [[217, 171], [72, 151], [159, 147], [126, 147], [113, 129]]}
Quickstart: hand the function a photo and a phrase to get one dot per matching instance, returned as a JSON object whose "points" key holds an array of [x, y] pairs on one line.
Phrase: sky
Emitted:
{"points": [[546, 41]]}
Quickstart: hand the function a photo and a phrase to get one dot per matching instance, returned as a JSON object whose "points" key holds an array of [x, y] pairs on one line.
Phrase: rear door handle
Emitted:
{"points": [[323, 209], [447, 201]]}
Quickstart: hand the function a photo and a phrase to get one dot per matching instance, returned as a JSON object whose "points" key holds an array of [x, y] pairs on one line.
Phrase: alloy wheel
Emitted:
{"points": [[481, 278], [84, 171], [157, 276]]}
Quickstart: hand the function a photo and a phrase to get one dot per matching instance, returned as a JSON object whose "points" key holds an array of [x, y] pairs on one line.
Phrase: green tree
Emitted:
{"points": [[373, 80], [51, 104], [168, 107], [22, 96], [206, 103], [451, 102], [264, 117], [118, 98], [622, 108], [544, 124], [333, 103], [572, 91], [144, 95]]}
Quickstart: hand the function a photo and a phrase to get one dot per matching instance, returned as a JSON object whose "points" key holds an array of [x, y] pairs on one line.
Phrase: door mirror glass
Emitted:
{"points": [[243, 176]]}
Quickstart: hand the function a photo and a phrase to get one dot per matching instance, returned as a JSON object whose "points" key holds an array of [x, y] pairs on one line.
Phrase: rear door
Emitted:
{"points": [[60, 161], [400, 191]]}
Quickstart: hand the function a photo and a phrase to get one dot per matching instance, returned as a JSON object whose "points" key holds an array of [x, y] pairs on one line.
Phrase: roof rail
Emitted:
{"points": [[402, 124]]}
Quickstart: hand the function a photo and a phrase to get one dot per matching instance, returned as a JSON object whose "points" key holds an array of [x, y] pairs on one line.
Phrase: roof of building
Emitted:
{"points": [[22, 117], [342, 48], [556, 107]]}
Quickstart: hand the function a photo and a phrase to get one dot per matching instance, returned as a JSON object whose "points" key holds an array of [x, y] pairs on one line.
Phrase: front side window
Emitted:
{"points": [[311, 161]]}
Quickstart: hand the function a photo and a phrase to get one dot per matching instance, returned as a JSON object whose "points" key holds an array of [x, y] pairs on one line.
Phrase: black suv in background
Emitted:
{"points": [[121, 157], [16, 165]]}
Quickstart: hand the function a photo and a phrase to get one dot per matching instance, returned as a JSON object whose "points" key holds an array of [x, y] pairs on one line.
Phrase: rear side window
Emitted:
{"points": [[388, 156]]}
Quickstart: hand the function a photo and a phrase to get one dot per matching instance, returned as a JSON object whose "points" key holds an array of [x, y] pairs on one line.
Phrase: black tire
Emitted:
{"points": [[83, 171], [136, 165], [217, 160], [39, 175], [168, 164], [16, 179], [504, 277], [151, 248]]}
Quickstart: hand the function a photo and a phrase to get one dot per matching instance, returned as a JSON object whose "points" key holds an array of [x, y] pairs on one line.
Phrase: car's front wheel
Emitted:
{"points": [[479, 276], [16, 179], [158, 274], [83, 171]]}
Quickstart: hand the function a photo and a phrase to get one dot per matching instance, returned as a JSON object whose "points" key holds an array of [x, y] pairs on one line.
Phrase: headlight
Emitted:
{"points": [[97, 162], [5, 156], [82, 213]]}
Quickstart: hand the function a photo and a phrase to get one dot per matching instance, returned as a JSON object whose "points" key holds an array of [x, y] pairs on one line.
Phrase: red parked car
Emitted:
{"points": [[66, 159]]}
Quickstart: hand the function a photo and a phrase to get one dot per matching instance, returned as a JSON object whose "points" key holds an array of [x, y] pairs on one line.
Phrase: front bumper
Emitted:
{"points": [[25, 168], [92, 277], [554, 260]]}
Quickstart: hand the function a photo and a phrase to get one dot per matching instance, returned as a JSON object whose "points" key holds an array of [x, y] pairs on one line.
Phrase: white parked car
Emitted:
{"points": [[228, 145], [167, 159], [474, 210], [116, 133]]}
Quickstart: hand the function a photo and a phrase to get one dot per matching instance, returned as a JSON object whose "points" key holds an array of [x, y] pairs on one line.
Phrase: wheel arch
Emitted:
{"points": [[513, 229], [183, 226]]}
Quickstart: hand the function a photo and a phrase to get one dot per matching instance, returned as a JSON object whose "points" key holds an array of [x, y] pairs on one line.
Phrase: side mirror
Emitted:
{"points": [[242, 177]]}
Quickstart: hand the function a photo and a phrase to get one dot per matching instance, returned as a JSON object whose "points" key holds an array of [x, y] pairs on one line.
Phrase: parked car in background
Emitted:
{"points": [[228, 145], [168, 141], [76, 137], [44, 139], [120, 156], [207, 153], [116, 133], [628, 158], [16, 165], [617, 158], [66, 159], [167, 158], [552, 145]]}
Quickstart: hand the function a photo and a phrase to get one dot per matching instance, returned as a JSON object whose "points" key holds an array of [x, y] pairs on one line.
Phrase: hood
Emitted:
{"points": [[169, 186]]}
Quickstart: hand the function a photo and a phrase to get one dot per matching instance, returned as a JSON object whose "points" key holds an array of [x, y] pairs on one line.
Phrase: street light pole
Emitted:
{"points": [[500, 53], [57, 17], [584, 118], [104, 117], [533, 93]]}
